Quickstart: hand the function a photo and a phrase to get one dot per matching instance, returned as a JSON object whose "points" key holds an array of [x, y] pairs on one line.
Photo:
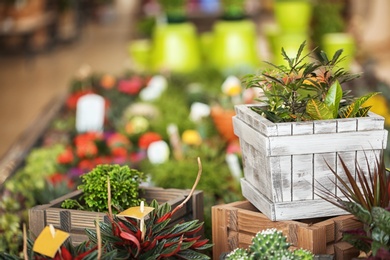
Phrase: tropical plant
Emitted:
{"points": [[269, 244], [306, 90], [367, 197], [157, 238], [125, 183]]}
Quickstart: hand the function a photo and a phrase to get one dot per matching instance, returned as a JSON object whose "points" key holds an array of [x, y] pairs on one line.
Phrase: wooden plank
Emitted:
{"points": [[351, 141], [316, 235], [345, 251], [312, 238], [219, 231], [75, 221], [288, 210]]}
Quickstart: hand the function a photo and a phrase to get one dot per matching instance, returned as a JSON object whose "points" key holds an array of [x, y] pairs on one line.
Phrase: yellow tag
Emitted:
{"points": [[135, 212], [49, 241]]}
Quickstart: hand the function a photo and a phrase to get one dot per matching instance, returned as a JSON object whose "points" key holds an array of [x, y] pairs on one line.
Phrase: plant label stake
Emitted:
{"points": [[49, 241], [139, 213]]}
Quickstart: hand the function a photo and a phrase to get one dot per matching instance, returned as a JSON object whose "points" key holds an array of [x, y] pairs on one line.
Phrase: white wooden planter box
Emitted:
{"points": [[285, 164]]}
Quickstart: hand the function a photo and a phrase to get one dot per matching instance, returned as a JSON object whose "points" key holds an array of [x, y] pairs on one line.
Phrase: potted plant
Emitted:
{"points": [[367, 197], [233, 40], [174, 42], [136, 233], [269, 244], [76, 211], [306, 121]]}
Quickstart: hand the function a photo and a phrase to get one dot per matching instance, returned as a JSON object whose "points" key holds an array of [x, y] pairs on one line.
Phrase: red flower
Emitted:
{"points": [[66, 156], [86, 164], [57, 178], [118, 144], [87, 138], [131, 86], [146, 139], [86, 149]]}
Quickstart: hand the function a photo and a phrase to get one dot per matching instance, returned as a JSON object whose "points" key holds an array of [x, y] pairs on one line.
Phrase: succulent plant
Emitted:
{"points": [[269, 244]]}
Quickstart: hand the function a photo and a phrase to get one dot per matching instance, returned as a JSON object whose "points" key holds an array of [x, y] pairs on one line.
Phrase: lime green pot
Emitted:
{"points": [[290, 42], [234, 46], [175, 48], [293, 16], [139, 52], [331, 42]]}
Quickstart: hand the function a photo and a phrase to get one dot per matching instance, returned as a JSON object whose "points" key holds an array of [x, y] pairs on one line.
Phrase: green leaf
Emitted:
{"points": [[333, 97], [354, 109], [358, 211], [318, 110], [381, 218]]}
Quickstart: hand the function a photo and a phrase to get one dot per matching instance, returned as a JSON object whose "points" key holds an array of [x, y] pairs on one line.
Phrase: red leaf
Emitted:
{"points": [[131, 238], [200, 243]]}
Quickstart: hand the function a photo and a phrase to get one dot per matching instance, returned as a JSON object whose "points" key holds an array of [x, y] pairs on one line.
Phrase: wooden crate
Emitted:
{"points": [[285, 164], [76, 221], [235, 224]]}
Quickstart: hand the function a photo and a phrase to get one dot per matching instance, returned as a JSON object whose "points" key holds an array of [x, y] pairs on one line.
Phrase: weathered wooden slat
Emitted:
{"points": [[317, 235], [313, 143], [291, 209], [76, 221], [293, 162]]}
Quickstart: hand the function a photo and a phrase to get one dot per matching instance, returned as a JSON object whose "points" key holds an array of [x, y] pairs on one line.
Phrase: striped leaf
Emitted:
{"points": [[318, 110]]}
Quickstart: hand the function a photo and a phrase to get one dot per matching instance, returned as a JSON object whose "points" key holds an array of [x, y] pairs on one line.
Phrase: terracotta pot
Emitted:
{"points": [[224, 123]]}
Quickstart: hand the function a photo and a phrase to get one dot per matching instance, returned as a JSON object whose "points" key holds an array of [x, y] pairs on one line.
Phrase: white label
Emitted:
{"points": [[90, 113]]}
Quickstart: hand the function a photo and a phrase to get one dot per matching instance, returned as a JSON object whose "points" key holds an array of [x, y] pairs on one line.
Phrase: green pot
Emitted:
{"points": [[139, 52], [175, 48], [293, 16], [290, 43], [234, 46], [331, 42]]}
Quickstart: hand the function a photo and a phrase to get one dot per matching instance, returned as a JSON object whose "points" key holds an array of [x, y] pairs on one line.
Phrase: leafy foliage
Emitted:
{"points": [[162, 240], [367, 197], [304, 90], [125, 188], [269, 244]]}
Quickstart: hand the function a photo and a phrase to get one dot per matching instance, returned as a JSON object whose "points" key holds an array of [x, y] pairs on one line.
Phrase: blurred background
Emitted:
{"points": [[44, 43], [180, 63]]}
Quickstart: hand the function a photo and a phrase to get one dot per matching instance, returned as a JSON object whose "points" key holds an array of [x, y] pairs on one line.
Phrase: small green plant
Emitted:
{"points": [[306, 90], [175, 10], [233, 9], [157, 238], [269, 244], [367, 197], [125, 188]]}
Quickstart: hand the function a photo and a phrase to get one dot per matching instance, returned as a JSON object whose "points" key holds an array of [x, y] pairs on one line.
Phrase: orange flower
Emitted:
{"points": [[107, 81]]}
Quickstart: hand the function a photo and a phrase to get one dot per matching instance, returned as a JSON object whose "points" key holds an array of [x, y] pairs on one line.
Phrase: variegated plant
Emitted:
{"points": [[158, 238], [366, 196], [309, 88]]}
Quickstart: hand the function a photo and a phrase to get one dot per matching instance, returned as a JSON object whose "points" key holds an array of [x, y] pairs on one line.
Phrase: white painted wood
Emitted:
{"points": [[289, 210], [286, 165]]}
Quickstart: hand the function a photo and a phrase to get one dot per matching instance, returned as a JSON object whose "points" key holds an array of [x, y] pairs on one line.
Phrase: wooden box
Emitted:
{"points": [[286, 164], [76, 221], [235, 224]]}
